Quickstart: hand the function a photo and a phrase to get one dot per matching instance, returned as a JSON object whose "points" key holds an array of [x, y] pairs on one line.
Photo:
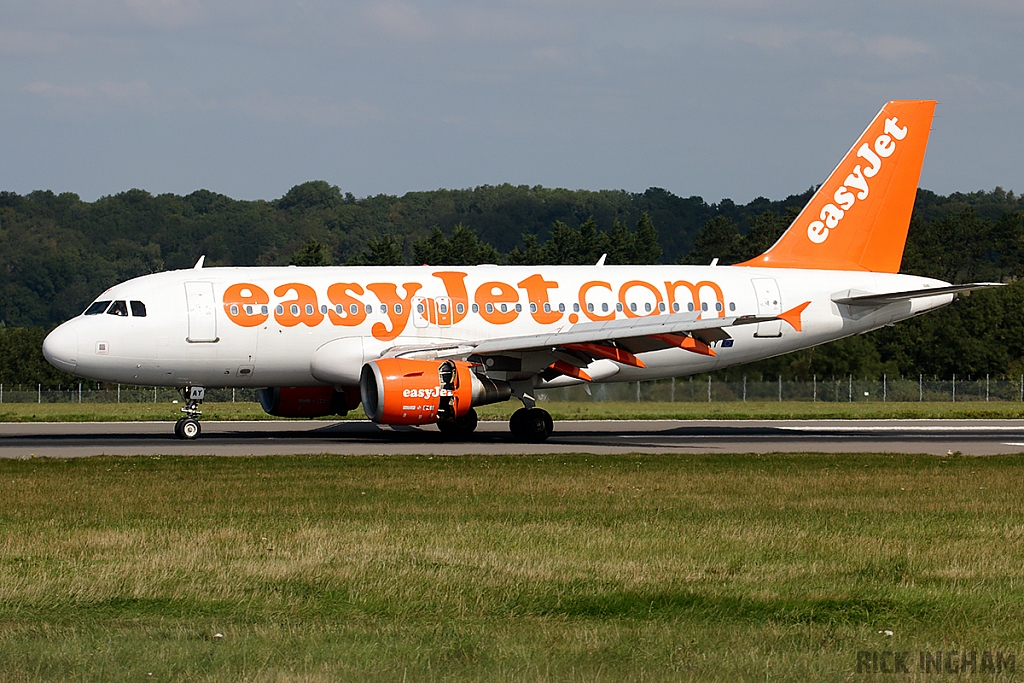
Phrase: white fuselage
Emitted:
{"points": [[264, 326]]}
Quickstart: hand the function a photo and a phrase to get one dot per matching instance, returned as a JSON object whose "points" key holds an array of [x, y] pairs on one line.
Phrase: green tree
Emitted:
{"points": [[312, 253], [382, 251], [646, 248], [315, 194], [719, 238], [22, 361], [765, 230], [463, 248]]}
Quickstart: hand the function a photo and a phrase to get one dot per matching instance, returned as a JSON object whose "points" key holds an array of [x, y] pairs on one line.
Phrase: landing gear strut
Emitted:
{"points": [[188, 427], [531, 425], [459, 427]]}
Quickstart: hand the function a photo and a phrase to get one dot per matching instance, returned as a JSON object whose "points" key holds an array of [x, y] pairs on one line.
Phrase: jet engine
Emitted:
{"points": [[307, 401], [404, 391]]}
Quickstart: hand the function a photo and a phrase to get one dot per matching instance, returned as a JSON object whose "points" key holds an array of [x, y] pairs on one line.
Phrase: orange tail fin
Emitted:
{"points": [[858, 219]]}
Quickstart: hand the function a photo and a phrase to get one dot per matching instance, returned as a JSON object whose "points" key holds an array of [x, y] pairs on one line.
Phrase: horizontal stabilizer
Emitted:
{"points": [[893, 297]]}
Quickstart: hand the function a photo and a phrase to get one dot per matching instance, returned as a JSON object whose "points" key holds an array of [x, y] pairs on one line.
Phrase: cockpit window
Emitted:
{"points": [[97, 307], [118, 308], [138, 309]]}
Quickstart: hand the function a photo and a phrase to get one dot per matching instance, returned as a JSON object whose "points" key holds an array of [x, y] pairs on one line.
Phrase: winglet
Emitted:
{"points": [[792, 316], [858, 219]]}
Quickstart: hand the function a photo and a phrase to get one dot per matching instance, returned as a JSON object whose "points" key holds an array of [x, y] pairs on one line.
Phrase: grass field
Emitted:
{"points": [[550, 568], [769, 410]]}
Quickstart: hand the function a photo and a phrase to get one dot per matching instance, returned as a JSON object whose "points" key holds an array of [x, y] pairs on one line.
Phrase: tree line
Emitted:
{"points": [[58, 252]]}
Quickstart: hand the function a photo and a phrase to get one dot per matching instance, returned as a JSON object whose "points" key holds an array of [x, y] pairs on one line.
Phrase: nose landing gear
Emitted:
{"points": [[188, 427]]}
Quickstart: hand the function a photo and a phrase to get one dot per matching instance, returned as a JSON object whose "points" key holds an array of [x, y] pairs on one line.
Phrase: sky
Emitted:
{"points": [[723, 99]]}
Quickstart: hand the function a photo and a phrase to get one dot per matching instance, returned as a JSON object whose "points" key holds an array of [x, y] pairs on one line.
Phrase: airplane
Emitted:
{"points": [[427, 345]]}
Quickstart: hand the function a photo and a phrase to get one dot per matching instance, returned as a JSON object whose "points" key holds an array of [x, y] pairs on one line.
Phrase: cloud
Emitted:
{"points": [[400, 19], [131, 93], [166, 14], [316, 111]]}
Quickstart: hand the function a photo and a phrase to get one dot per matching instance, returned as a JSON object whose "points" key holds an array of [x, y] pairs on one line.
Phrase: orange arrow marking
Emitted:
{"points": [[792, 316]]}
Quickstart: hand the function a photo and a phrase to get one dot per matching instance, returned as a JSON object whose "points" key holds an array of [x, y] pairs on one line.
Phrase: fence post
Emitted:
{"points": [[780, 388], [39, 393], [851, 388], [638, 392], [745, 387], [673, 390], [79, 392], [2, 391], [815, 397], [709, 388], [954, 387], [986, 387], [885, 388], [154, 394], [232, 394], [920, 388], [119, 393]]}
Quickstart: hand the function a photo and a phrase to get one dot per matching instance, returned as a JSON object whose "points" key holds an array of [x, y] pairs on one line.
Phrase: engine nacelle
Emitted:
{"points": [[404, 391], [307, 401]]}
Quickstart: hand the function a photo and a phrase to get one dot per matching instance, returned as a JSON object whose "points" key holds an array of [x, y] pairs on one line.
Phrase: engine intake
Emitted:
{"points": [[411, 392]]}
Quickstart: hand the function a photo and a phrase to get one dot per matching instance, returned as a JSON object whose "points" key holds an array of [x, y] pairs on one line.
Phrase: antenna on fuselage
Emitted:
{"points": [[199, 263]]}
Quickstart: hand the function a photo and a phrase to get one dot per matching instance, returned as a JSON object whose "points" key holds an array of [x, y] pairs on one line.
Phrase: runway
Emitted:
{"points": [[937, 437]]}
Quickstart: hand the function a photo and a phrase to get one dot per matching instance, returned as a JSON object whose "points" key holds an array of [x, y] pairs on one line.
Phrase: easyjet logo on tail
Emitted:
{"points": [[856, 186], [858, 218]]}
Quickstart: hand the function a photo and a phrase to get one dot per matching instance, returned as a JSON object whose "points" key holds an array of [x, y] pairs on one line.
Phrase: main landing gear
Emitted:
{"points": [[531, 425], [459, 427], [188, 427]]}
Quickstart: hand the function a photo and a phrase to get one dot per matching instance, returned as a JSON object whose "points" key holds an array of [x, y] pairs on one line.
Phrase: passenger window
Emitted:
{"points": [[476, 308], [675, 306], [138, 309], [460, 308], [97, 307], [118, 308]]}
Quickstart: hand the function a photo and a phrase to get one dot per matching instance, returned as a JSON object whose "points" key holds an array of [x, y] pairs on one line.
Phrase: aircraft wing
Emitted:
{"points": [[622, 330], [893, 297], [569, 350]]}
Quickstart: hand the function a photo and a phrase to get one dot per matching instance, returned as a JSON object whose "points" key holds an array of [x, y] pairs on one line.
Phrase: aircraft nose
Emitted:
{"points": [[60, 348]]}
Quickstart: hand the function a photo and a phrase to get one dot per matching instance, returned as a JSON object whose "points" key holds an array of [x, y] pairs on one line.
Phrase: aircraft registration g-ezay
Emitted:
{"points": [[421, 345]]}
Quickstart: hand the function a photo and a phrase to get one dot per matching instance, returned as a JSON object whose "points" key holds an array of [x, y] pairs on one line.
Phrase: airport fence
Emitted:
{"points": [[682, 390]]}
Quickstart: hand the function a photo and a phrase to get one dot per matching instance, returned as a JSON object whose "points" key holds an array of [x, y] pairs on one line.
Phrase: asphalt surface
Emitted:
{"points": [[937, 437]]}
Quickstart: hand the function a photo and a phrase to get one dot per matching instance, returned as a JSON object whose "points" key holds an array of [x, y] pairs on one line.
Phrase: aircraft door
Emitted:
{"points": [[769, 302], [422, 311], [202, 312], [443, 305]]}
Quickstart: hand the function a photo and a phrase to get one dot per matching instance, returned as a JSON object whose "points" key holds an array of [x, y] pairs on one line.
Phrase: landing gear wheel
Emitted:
{"points": [[531, 425], [189, 428], [459, 428], [177, 428]]}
